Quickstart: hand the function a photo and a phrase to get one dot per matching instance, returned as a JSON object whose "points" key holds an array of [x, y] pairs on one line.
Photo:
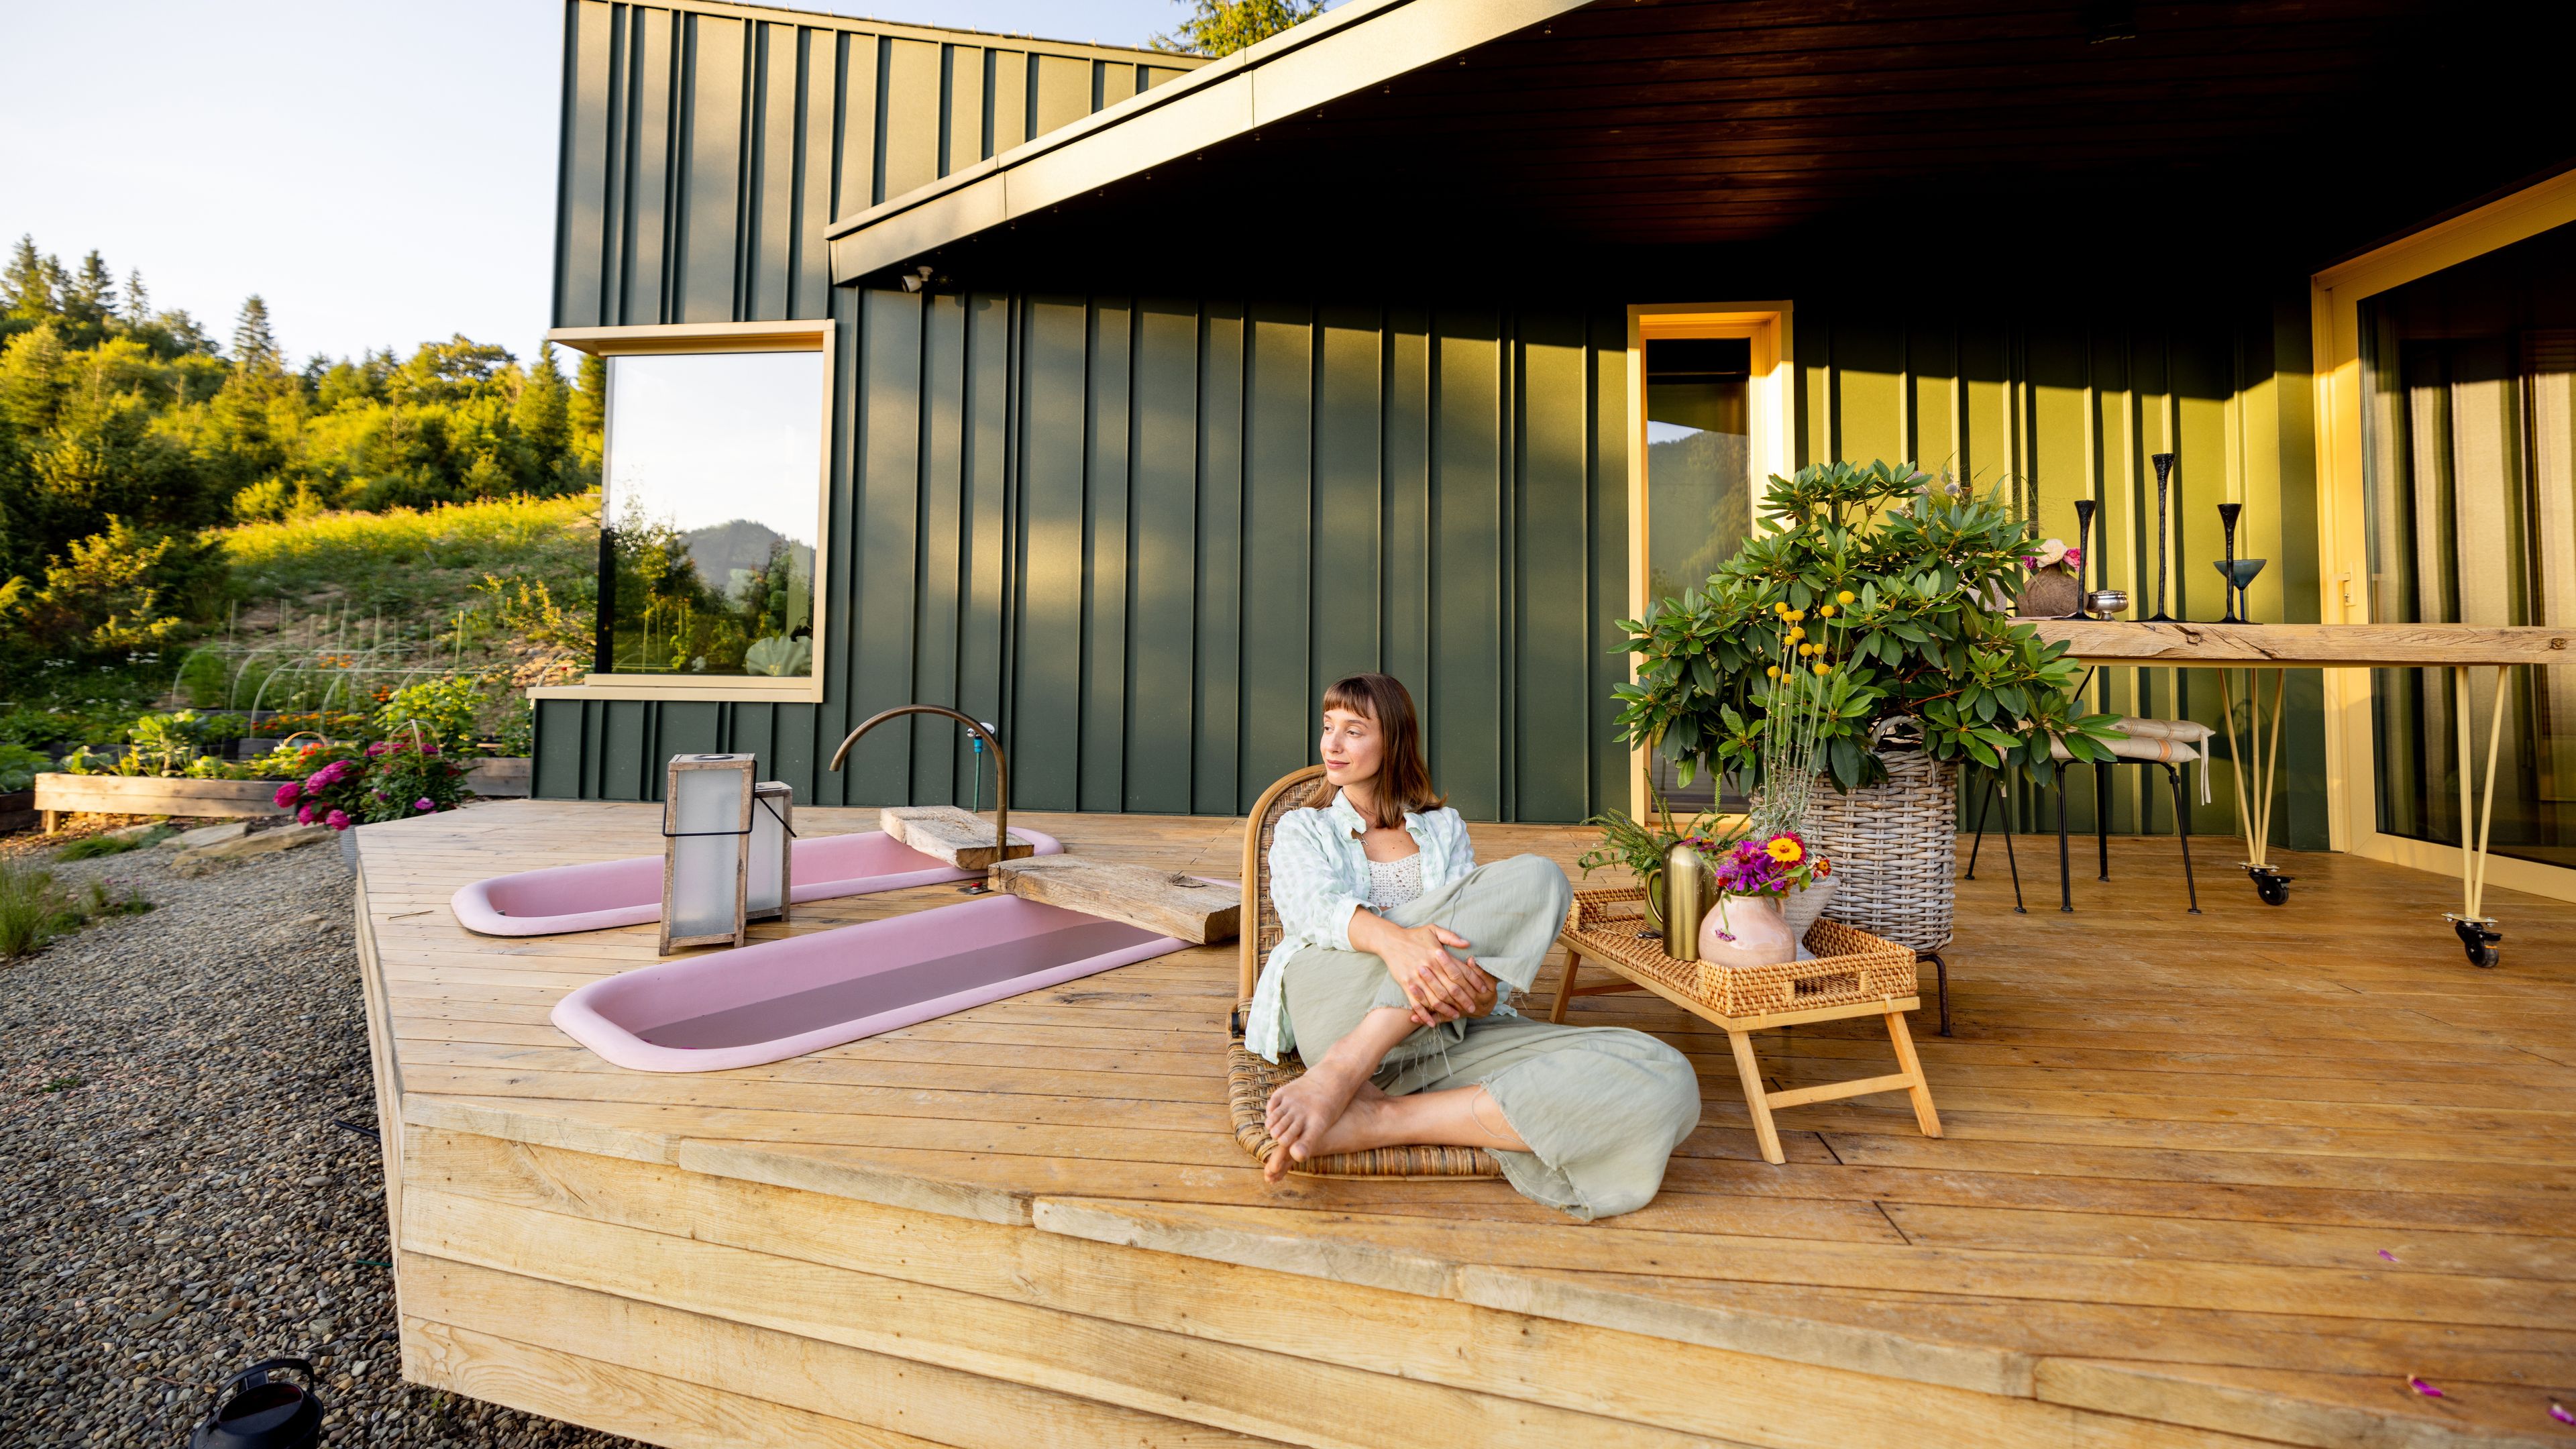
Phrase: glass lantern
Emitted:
{"points": [[708, 802], [768, 878]]}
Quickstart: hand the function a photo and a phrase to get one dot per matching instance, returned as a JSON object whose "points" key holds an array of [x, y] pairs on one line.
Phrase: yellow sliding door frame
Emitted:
{"points": [[2335, 297], [1772, 407]]}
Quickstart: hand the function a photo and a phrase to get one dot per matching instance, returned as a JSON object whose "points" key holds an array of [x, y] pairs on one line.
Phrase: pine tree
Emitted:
{"points": [[254, 346], [28, 285], [138, 302], [89, 300]]}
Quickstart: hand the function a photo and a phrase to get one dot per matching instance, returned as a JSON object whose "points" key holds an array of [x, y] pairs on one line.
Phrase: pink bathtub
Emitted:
{"points": [[779, 999], [629, 892]]}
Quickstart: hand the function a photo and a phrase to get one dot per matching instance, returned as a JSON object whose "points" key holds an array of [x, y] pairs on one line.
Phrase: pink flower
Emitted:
{"points": [[337, 820], [287, 794], [304, 815], [378, 748], [423, 803]]}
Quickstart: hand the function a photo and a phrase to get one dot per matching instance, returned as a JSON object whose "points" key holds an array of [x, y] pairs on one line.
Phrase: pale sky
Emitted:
{"points": [[382, 173]]}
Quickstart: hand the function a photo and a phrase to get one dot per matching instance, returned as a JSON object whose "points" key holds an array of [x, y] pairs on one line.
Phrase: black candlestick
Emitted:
{"points": [[2083, 550], [2227, 521], [2164, 475]]}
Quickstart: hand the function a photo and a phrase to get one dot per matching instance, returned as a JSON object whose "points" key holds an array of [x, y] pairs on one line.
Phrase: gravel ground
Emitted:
{"points": [[179, 1200]]}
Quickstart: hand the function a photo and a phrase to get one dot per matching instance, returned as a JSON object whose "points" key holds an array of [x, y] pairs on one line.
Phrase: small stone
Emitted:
{"points": [[207, 835], [265, 842]]}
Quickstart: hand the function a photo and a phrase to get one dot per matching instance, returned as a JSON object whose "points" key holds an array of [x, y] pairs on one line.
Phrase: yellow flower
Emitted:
{"points": [[1779, 608], [1845, 597], [1822, 667], [1827, 610], [1786, 851], [1806, 649], [1796, 616], [1775, 671], [1796, 635]]}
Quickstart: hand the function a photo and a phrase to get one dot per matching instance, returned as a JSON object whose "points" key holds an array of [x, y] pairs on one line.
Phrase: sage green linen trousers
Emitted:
{"points": [[1602, 1108]]}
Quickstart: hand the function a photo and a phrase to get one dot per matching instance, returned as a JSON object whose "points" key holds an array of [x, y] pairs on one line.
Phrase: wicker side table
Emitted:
{"points": [[1854, 974]]}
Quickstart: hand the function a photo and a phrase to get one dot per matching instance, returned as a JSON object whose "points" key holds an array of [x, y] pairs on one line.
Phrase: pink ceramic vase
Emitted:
{"points": [[1746, 931]]}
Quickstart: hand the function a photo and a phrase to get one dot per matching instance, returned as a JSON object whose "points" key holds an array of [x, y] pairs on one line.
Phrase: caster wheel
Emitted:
{"points": [[2478, 943], [2271, 885]]}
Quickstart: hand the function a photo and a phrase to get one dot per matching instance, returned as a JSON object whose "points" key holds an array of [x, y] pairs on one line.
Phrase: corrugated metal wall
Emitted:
{"points": [[705, 147], [1143, 534], [2058, 405]]}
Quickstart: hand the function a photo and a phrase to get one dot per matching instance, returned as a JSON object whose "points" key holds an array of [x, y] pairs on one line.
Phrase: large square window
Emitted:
{"points": [[711, 514]]}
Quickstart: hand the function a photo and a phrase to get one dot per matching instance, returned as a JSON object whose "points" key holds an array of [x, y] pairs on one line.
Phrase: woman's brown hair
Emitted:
{"points": [[1403, 780]]}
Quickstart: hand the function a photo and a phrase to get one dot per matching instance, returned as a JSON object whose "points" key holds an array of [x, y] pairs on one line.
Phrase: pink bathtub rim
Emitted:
{"points": [[581, 1015], [637, 882]]}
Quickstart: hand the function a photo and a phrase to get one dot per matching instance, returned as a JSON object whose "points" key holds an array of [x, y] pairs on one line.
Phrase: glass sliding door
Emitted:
{"points": [[1699, 480], [2469, 474]]}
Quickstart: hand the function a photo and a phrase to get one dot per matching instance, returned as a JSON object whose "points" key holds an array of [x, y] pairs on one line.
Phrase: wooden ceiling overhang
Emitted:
{"points": [[1457, 134]]}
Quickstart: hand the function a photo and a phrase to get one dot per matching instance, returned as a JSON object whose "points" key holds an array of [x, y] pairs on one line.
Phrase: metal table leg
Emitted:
{"points": [[2478, 935], [2254, 812]]}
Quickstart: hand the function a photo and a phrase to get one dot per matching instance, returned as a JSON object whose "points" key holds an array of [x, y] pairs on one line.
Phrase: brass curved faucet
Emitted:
{"points": [[1001, 765]]}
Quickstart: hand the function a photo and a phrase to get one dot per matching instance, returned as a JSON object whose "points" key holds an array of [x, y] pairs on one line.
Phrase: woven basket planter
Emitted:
{"points": [[1894, 849]]}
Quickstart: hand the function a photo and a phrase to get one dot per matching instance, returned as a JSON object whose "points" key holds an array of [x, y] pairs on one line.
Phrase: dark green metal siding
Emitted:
{"points": [[704, 150], [1143, 535]]}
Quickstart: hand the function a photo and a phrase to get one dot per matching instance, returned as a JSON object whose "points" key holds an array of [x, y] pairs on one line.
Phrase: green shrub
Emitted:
{"points": [[447, 710], [19, 767], [396, 558]]}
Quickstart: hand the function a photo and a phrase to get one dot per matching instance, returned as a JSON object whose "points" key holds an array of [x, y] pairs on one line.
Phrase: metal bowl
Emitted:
{"points": [[2107, 601]]}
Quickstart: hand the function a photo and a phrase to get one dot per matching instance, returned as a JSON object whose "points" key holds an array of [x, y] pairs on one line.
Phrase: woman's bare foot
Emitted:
{"points": [[1301, 1111], [1362, 1125]]}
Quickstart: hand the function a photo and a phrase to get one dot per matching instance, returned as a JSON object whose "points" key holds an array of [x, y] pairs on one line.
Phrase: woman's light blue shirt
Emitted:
{"points": [[1318, 876]]}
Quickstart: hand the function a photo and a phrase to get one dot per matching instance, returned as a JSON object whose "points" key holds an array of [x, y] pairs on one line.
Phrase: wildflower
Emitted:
{"points": [[1845, 597], [337, 819], [1796, 635], [1786, 849], [1806, 649], [378, 748], [1825, 610], [287, 794], [1823, 668], [423, 803], [1823, 868], [1775, 671]]}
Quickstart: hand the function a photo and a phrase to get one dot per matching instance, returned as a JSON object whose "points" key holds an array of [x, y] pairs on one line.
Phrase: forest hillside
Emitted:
{"points": [[165, 495]]}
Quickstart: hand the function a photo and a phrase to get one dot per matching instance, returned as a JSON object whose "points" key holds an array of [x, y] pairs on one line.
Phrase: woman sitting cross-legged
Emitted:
{"points": [[1392, 978]]}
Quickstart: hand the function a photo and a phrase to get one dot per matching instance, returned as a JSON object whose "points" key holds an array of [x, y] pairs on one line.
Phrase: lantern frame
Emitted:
{"points": [[747, 766], [777, 799]]}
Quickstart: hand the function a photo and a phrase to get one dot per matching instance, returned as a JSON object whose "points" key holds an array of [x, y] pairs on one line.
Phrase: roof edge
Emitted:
{"points": [[916, 30], [1299, 69]]}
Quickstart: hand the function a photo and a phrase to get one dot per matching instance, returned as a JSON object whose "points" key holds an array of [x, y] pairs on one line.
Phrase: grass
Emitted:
{"points": [[406, 558], [98, 845], [34, 910]]}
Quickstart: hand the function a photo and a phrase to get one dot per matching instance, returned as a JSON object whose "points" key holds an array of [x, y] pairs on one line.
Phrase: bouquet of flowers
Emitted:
{"points": [[1771, 865]]}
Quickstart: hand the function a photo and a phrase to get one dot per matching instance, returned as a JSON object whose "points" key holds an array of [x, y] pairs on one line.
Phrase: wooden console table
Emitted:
{"points": [[2457, 648]]}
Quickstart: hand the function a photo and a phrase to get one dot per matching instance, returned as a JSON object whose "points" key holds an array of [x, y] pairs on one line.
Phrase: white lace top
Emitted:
{"points": [[1393, 882]]}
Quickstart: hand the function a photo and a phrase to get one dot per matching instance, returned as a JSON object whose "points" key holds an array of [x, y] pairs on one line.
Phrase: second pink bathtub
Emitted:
{"points": [[629, 892]]}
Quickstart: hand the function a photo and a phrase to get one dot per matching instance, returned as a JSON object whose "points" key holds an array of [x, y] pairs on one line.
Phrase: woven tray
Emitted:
{"points": [[1851, 965]]}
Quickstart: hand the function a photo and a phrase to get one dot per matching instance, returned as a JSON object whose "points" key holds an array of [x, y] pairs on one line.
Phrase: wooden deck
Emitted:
{"points": [[2214, 1179]]}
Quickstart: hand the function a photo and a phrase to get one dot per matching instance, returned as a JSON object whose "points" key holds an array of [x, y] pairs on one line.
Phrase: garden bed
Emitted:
{"points": [[59, 794]]}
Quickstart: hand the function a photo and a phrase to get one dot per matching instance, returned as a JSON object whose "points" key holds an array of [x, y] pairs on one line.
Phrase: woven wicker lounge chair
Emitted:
{"points": [[1248, 1078]]}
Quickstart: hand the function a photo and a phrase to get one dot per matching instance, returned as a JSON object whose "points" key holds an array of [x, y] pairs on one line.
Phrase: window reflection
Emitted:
{"points": [[1699, 484], [2469, 448], [711, 514]]}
